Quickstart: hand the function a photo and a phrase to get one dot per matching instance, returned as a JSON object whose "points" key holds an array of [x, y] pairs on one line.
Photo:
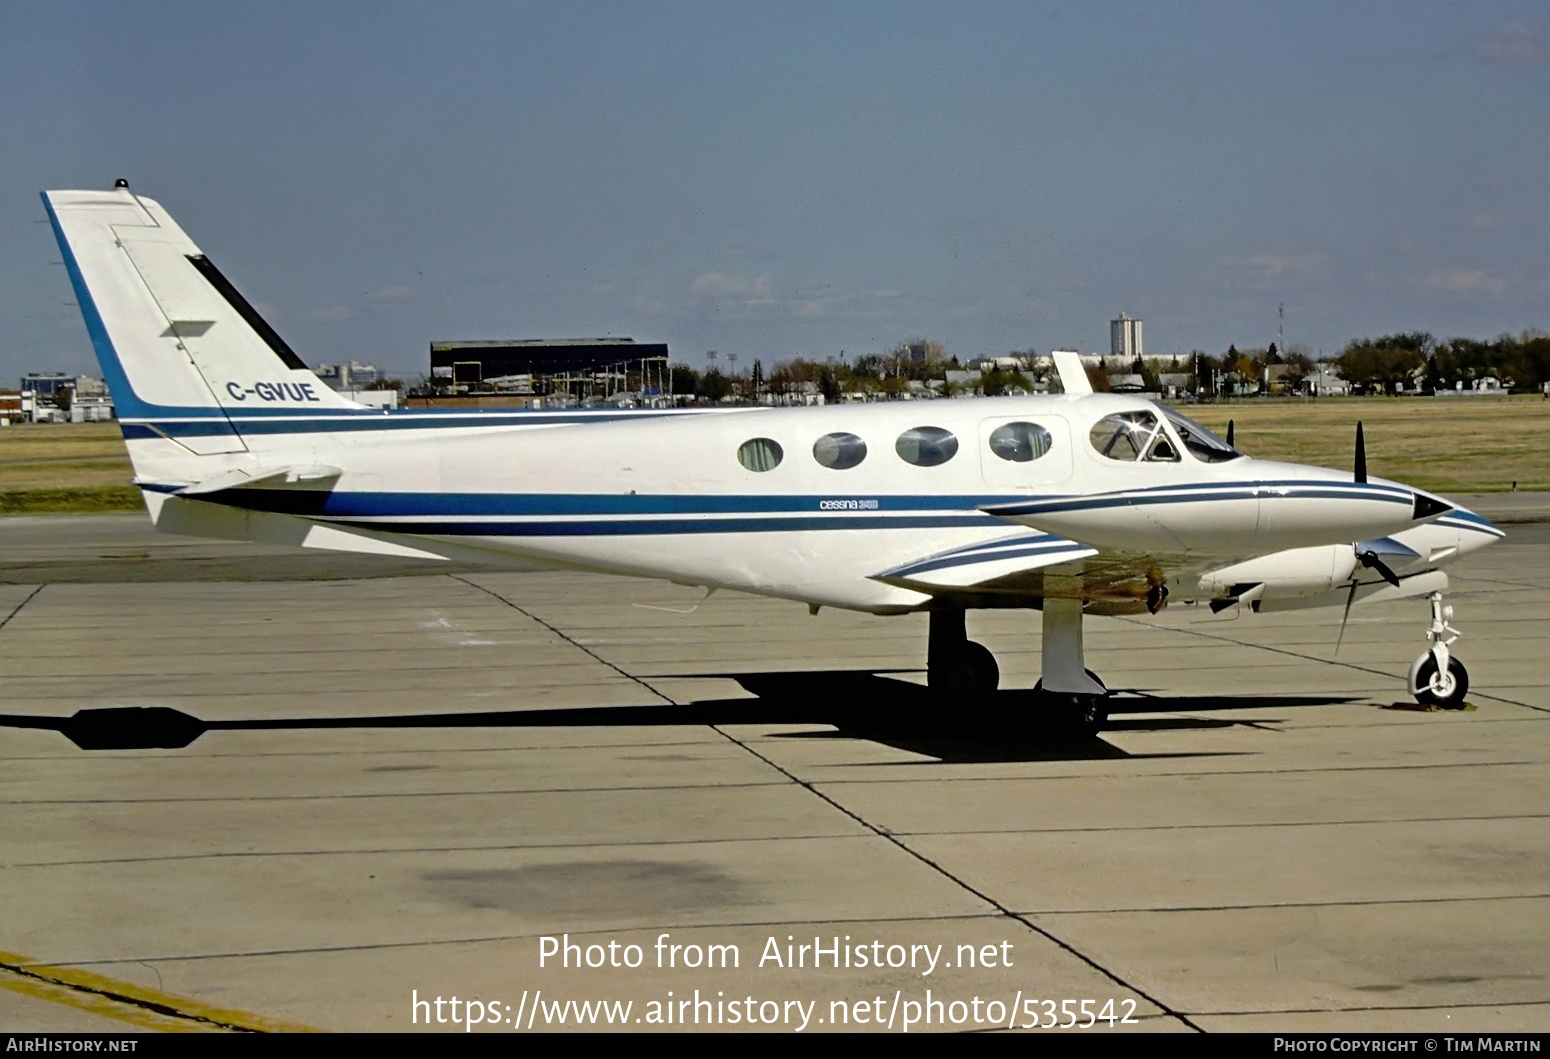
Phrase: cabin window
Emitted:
{"points": [[839, 452], [759, 454], [926, 446], [1133, 436], [1020, 442]]}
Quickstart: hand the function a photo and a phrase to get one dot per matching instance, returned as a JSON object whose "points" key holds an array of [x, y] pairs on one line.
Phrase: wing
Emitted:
{"points": [[977, 566]]}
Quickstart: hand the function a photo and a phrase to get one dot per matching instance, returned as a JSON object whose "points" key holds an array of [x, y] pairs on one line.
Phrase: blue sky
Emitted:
{"points": [[781, 179]]}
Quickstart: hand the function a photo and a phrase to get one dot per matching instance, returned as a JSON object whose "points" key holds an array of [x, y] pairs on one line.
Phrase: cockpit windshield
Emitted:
{"points": [[1201, 443], [1133, 437]]}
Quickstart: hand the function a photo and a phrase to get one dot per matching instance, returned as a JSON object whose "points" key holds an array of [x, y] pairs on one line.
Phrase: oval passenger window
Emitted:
{"points": [[926, 446], [1020, 442], [839, 452], [759, 454]]}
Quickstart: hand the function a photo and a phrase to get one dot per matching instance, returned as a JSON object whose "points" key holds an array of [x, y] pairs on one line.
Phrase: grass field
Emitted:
{"points": [[47, 467], [1449, 445]]}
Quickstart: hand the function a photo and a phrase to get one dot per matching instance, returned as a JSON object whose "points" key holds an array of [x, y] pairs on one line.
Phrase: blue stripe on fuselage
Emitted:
{"points": [[336, 504], [671, 526], [830, 510]]}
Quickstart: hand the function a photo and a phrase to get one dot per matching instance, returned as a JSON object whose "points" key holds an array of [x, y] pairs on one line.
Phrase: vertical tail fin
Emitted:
{"points": [[184, 354]]}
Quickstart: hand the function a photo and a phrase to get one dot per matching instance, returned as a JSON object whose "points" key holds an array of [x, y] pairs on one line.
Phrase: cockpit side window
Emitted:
{"points": [[1162, 449], [1133, 436], [1201, 443]]}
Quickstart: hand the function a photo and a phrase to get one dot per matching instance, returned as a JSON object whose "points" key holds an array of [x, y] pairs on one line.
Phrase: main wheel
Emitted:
{"points": [[1445, 691], [1085, 717], [967, 672], [1074, 716]]}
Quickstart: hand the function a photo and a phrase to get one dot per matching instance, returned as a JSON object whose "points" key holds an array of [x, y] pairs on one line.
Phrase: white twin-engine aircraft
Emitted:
{"points": [[1081, 503]]}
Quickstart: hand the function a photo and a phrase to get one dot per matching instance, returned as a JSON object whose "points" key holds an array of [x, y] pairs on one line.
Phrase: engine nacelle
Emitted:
{"points": [[1294, 572]]}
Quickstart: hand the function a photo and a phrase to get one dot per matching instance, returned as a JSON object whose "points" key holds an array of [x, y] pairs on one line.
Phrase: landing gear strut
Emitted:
{"points": [[1074, 697], [1436, 677]]}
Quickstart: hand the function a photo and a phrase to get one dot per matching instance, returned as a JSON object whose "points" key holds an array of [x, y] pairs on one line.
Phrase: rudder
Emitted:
{"points": [[183, 353]]}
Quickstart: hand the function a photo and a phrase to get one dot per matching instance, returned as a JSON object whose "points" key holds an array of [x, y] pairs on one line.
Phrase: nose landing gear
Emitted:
{"points": [[1436, 677]]}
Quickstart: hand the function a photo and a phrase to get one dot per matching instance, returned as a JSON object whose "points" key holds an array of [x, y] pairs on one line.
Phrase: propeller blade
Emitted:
{"points": [[1371, 561], [1349, 599], [1361, 454], [1229, 433]]}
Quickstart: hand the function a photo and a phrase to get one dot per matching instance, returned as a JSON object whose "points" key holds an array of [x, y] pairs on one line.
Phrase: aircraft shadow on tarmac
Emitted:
{"points": [[858, 704]]}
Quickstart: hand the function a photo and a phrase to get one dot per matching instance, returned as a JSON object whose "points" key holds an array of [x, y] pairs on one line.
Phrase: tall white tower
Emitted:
{"points": [[1125, 338]]}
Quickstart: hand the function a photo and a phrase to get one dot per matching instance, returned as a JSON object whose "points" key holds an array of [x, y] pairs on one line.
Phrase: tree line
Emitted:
{"points": [[1414, 358], [1403, 361]]}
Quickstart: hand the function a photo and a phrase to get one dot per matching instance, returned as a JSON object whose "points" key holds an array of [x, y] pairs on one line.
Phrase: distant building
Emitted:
{"points": [[358, 383], [91, 408], [577, 366], [58, 397], [15, 407], [351, 376], [1125, 338], [47, 383], [372, 398], [968, 380], [473, 365], [1483, 386], [1005, 363], [1324, 382]]}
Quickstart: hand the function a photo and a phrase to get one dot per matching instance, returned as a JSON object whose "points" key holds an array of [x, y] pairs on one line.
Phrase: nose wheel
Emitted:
{"points": [[1438, 679], [1442, 688]]}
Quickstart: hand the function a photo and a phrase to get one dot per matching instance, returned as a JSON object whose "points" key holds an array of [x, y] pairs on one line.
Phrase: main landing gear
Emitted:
{"points": [[1436, 677], [1073, 701], [956, 666]]}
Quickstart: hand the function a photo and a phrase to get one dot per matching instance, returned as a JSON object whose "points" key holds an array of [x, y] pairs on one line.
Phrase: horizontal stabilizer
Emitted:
{"points": [[240, 478], [330, 538], [978, 564]]}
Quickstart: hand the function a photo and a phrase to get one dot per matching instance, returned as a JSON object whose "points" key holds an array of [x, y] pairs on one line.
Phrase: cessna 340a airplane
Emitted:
{"points": [[1073, 504]]}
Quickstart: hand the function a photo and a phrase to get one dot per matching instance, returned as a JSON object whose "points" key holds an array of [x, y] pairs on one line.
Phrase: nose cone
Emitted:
{"points": [[1442, 540], [1472, 531]]}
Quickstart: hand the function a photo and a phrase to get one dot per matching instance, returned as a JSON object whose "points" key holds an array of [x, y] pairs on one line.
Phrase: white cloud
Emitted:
{"points": [[737, 295], [333, 314], [754, 289], [827, 304], [1515, 43], [1468, 281], [393, 294], [1266, 265]]}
